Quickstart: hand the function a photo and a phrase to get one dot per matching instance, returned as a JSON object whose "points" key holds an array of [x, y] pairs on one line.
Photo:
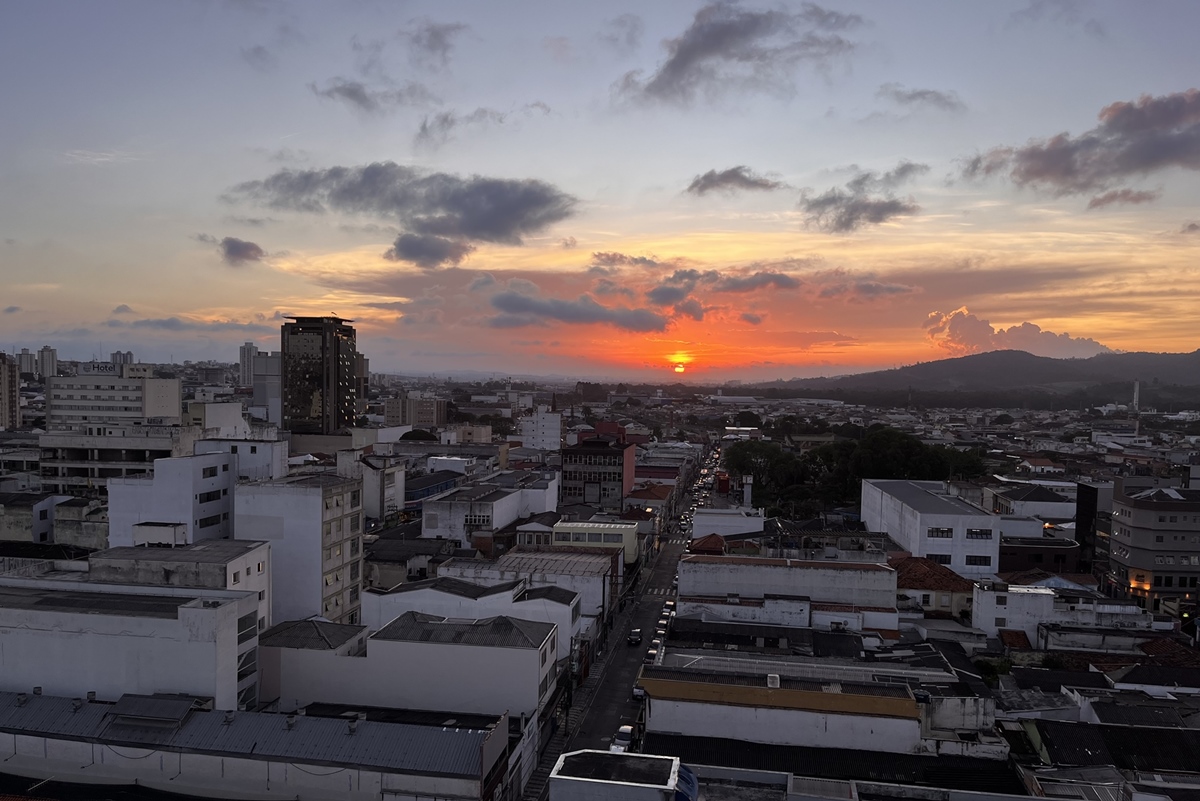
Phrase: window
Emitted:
{"points": [[925, 600], [262, 566], [209, 472], [354, 547], [355, 499], [941, 533], [1001, 600], [233, 449], [254, 449], [262, 595], [354, 571], [355, 522], [354, 595], [979, 533], [209, 497], [1001, 622], [1168, 581], [1158, 581], [224, 468], [562, 536], [237, 577], [612, 538], [979, 561], [43, 514], [208, 522], [940, 558]]}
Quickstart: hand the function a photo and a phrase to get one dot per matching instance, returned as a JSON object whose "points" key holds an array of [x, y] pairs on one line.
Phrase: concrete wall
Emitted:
{"points": [[772, 611], [289, 518], [255, 460], [594, 590], [796, 727], [864, 584], [173, 495]]}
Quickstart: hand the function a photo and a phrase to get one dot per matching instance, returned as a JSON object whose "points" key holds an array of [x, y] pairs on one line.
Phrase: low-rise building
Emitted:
{"points": [[195, 492]]}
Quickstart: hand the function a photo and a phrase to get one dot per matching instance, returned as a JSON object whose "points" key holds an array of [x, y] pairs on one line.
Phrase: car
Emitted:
{"points": [[623, 740], [650, 658], [669, 606], [635, 637], [639, 691]]}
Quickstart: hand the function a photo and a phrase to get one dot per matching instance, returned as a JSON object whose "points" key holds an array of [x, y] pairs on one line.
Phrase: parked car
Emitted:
{"points": [[635, 637], [650, 658], [623, 740], [639, 691]]}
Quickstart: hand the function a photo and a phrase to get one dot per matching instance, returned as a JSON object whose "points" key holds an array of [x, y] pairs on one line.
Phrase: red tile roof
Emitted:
{"points": [[919, 573], [1015, 638]]}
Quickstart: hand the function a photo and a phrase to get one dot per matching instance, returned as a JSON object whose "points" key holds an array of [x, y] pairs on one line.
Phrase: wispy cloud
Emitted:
{"points": [[735, 179]]}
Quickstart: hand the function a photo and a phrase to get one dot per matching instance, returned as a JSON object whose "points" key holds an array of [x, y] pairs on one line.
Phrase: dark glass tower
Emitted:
{"points": [[318, 372]]}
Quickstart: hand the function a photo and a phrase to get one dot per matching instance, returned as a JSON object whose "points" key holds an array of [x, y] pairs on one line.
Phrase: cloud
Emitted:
{"points": [[476, 208], [865, 289], [516, 308], [731, 180], [97, 158], [730, 46], [568, 243], [677, 286], [615, 259], [374, 101], [624, 33], [252, 222], [1068, 13], [260, 58], [207, 239], [122, 309], [1133, 139], [691, 308], [237, 252], [756, 281], [437, 129], [928, 98], [1190, 228], [428, 250], [844, 210], [607, 286], [962, 333], [11, 309], [749, 317], [1123, 196], [431, 43], [481, 281], [179, 324]]}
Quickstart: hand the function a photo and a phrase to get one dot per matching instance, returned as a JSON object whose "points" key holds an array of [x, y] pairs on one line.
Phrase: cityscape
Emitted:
{"points": [[725, 401]]}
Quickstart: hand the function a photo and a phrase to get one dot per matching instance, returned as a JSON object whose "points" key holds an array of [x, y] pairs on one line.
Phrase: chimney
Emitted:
{"points": [[22, 698], [228, 718], [352, 726], [76, 704], [91, 696], [37, 690], [291, 722]]}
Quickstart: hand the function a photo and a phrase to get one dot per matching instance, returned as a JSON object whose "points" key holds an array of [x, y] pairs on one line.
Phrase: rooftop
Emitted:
{"points": [[797, 564], [495, 632], [625, 768], [926, 497], [329, 478], [92, 603], [919, 573], [310, 635], [205, 551], [452, 586]]}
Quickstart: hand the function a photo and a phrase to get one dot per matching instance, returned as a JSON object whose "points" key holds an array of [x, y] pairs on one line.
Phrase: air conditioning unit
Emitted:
{"points": [[772, 681]]}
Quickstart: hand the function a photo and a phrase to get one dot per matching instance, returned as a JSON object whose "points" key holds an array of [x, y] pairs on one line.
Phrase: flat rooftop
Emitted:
{"points": [[92, 603], [206, 551], [625, 768], [920, 495]]}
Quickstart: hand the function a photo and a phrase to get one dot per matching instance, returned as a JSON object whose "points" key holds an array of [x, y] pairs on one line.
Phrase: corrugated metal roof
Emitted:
{"points": [[389, 747], [498, 632], [315, 635], [785, 682]]}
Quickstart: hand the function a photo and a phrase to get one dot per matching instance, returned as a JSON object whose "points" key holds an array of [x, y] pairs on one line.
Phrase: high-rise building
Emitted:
{"points": [[27, 361], [10, 398], [267, 385], [414, 409], [246, 354], [47, 362], [319, 375], [108, 394], [1154, 550], [121, 357]]}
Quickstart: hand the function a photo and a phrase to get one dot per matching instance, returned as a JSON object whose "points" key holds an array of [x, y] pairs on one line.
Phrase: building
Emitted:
{"points": [[69, 638], [415, 409], [47, 363], [10, 396], [1054, 618], [935, 588], [614, 536], [541, 430], [319, 377], [192, 494], [1154, 550], [105, 394], [590, 775], [927, 521], [81, 462], [27, 516], [598, 472], [246, 354], [267, 380], [27, 362], [314, 523], [471, 515], [121, 357], [254, 459]]}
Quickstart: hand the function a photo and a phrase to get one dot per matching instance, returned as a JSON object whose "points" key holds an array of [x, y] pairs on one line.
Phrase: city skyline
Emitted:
{"points": [[734, 191]]}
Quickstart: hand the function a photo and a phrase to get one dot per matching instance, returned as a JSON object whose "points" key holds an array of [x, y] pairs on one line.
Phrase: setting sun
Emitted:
{"points": [[679, 368]]}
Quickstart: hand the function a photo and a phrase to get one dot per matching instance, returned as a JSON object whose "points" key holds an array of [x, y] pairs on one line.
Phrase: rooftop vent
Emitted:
{"points": [[37, 690], [773, 681], [291, 721], [352, 727], [22, 698], [91, 696], [228, 718], [76, 704]]}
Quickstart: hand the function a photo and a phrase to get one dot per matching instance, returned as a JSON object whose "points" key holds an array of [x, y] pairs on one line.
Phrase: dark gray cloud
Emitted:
{"points": [[691, 308], [750, 317], [1068, 13], [864, 289], [607, 286], [122, 309], [207, 239], [476, 208], [516, 307], [728, 45], [606, 259], [1133, 139], [755, 281], [677, 286], [568, 243], [734, 179], [431, 43], [928, 98], [481, 281], [11, 309], [374, 101], [428, 250], [1130, 197], [178, 324], [1190, 228], [260, 58], [624, 33], [847, 209], [437, 129], [237, 252]]}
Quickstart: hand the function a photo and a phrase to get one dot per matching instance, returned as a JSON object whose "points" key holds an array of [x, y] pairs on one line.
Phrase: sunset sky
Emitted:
{"points": [[743, 190]]}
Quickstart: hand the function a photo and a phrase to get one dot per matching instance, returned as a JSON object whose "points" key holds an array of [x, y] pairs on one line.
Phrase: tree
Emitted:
{"points": [[748, 419], [419, 434]]}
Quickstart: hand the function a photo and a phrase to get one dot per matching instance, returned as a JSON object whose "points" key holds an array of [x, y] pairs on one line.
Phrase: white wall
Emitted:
{"points": [[593, 590], [726, 521], [172, 495], [862, 584], [290, 519], [254, 460], [795, 727]]}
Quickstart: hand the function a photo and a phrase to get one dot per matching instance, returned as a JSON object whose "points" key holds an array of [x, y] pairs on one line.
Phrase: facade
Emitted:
{"points": [[81, 462], [928, 522], [10, 396], [319, 377], [194, 491], [27, 362], [1154, 550], [472, 515], [937, 589], [246, 354], [314, 523], [997, 607], [27, 516], [47, 363], [254, 459], [598, 472], [541, 430], [415, 409], [71, 639], [267, 381], [613, 536], [121, 357], [106, 394]]}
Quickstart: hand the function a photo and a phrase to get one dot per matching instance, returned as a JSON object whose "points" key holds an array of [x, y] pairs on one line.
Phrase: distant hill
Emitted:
{"points": [[1018, 370]]}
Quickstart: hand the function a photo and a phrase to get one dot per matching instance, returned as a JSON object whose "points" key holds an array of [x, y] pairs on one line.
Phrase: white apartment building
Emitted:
{"points": [[314, 523], [254, 459], [469, 514], [927, 521], [382, 476], [997, 606], [111, 639], [111, 394], [541, 430], [455, 598], [246, 354], [47, 363], [195, 492]]}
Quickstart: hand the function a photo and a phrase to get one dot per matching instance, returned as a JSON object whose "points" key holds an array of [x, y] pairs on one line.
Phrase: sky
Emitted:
{"points": [[654, 191]]}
